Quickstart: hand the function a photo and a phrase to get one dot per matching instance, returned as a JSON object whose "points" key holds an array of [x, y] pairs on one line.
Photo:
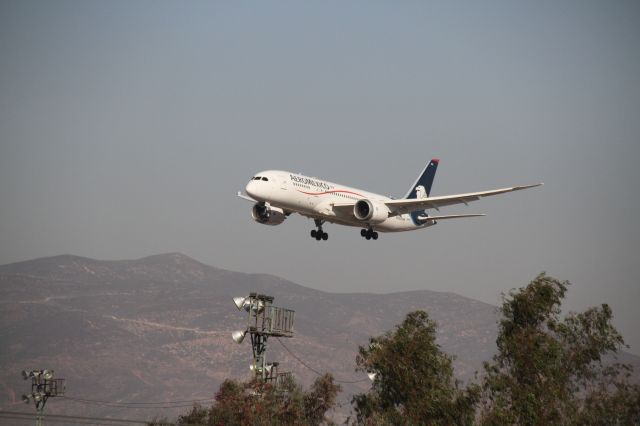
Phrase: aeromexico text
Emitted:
{"points": [[311, 182]]}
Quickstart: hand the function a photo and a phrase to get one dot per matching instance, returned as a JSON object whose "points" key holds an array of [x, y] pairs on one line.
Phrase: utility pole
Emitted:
{"points": [[43, 386], [264, 320]]}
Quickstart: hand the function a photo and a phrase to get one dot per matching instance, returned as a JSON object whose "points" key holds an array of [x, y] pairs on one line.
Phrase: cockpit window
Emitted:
{"points": [[256, 178], [264, 178]]}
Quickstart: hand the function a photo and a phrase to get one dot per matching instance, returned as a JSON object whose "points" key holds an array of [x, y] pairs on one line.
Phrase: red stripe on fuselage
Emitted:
{"points": [[331, 192]]}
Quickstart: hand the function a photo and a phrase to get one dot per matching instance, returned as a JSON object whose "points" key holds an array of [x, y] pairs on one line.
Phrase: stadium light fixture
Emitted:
{"points": [[240, 301], [258, 307], [247, 304], [268, 368], [46, 374], [238, 336]]}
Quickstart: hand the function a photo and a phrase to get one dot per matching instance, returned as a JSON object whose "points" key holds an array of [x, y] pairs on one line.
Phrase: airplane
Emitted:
{"points": [[276, 194]]}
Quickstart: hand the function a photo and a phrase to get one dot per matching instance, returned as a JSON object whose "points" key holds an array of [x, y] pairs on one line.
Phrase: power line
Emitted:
{"points": [[68, 419], [57, 418], [131, 405], [16, 415], [141, 403], [29, 420], [314, 370]]}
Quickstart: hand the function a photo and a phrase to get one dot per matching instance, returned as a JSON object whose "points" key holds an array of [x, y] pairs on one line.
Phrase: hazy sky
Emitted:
{"points": [[126, 129]]}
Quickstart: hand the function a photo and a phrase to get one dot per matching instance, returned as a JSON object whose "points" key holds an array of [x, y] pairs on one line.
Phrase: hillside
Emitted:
{"points": [[158, 329]]}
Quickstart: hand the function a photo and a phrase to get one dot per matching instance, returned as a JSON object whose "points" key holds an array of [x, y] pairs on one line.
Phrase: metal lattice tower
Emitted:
{"points": [[43, 386], [264, 320]]}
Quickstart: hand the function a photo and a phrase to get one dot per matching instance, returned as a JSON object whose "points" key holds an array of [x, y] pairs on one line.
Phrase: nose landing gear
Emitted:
{"points": [[319, 234], [369, 234]]}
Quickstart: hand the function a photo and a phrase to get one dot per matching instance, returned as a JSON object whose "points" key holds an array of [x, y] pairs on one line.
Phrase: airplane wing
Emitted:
{"points": [[346, 209], [343, 209], [245, 197], [398, 207]]}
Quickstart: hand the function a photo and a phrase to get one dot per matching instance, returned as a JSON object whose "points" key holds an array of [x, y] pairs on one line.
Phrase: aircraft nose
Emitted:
{"points": [[251, 189]]}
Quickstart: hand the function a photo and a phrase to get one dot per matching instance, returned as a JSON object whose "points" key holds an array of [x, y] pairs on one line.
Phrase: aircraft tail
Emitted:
{"points": [[422, 186]]}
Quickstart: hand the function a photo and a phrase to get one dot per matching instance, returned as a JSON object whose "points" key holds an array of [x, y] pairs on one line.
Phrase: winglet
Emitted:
{"points": [[519, 187]]}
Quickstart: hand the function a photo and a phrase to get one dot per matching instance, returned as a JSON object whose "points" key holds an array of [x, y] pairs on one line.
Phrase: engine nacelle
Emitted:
{"points": [[267, 215], [370, 211]]}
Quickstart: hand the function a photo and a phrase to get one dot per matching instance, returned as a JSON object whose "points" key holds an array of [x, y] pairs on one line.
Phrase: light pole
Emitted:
{"points": [[43, 386], [263, 320]]}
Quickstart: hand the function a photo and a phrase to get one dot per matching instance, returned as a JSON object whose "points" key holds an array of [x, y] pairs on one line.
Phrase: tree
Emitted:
{"points": [[260, 404], [613, 404], [413, 381], [551, 371], [320, 398], [197, 416]]}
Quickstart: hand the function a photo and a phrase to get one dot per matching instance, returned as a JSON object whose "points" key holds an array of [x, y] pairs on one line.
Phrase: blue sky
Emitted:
{"points": [[126, 129]]}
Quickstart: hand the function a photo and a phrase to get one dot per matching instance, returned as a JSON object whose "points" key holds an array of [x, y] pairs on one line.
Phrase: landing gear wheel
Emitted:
{"points": [[318, 233], [369, 233]]}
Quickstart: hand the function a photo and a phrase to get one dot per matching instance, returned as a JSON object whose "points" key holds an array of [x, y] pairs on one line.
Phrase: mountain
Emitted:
{"points": [[159, 329]]}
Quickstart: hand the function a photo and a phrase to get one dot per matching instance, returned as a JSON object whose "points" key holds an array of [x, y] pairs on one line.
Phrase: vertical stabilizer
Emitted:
{"points": [[425, 180], [421, 189]]}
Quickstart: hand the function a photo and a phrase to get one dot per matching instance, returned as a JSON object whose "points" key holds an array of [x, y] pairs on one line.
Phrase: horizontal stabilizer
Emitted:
{"points": [[451, 216]]}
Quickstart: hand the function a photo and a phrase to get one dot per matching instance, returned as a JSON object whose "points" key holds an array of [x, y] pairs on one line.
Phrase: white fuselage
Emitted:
{"points": [[315, 198]]}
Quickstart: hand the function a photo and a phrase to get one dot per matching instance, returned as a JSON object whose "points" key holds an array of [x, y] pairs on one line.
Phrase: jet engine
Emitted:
{"points": [[267, 215], [370, 211]]}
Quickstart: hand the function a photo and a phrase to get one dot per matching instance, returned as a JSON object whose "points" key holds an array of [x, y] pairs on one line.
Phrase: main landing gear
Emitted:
{"points": [[319, 234], [369, 234]]}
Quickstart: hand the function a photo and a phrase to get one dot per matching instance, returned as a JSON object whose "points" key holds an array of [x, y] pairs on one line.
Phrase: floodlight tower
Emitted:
{"points": [[263, 320], [43, 386]]}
